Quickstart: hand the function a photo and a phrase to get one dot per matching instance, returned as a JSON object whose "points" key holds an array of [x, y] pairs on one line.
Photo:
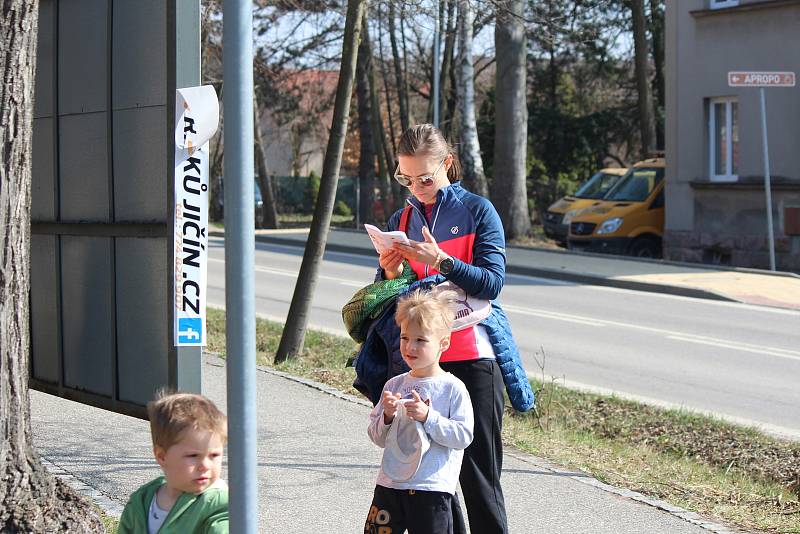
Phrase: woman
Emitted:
{"points": [[459, 235]]}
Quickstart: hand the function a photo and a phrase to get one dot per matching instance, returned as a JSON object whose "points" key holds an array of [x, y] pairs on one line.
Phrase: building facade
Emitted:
{"points": [[715, 193]]}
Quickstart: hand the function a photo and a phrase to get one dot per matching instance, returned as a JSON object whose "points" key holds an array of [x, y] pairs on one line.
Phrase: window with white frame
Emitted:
{"points": [[723, 139], [718, 4]]}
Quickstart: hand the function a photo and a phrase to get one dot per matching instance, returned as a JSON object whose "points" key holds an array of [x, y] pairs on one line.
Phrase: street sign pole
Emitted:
{"points": [[761, 80], [237, 65], [767, 185]]}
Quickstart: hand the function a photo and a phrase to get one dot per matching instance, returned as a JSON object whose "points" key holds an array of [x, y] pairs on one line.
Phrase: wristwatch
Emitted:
{"points": [[445, 265]]}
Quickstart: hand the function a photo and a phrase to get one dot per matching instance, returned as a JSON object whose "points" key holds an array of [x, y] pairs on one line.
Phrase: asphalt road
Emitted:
{"points": [[734, 360]]}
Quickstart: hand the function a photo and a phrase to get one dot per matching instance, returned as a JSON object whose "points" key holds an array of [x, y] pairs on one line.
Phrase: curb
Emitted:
{"points": [[648, 287], [578, 278], [109, 506], [658, 261], [578, 476]]}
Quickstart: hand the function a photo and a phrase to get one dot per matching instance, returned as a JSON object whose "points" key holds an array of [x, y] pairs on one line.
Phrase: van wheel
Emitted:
{"points": [[646, 247]]}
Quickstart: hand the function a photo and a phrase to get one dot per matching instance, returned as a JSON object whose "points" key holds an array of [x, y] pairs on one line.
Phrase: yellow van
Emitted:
{"points": [[630, 217], [556, 218]]}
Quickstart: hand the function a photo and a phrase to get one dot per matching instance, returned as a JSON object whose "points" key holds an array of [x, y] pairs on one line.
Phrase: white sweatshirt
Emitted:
{"points": [[449, 425]]}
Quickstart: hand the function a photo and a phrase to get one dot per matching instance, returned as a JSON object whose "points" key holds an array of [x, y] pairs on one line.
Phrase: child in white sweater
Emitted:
{"points": [[424, 422]]}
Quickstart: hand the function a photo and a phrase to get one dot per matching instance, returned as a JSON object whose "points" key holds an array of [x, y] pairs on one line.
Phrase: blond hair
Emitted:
{"points": [[171, 414], [428, 140], [431, 310]]}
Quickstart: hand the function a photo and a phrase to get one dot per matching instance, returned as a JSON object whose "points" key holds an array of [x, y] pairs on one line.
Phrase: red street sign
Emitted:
{"points": [[761, 79]]}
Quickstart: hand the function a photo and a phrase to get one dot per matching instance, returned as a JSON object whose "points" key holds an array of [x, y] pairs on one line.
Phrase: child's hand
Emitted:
{"points": [[416, 408], [389, 403]]}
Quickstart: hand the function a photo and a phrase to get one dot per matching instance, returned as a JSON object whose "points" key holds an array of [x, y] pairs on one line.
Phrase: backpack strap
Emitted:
{"points": [[404, 218]]}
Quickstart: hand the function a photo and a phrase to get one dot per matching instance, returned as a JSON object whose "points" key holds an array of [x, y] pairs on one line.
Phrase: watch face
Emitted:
{"points": [[446, 266]]}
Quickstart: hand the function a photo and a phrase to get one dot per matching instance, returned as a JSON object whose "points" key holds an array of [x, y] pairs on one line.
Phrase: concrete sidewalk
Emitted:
{"points": [[316, 467], [684, 279]]}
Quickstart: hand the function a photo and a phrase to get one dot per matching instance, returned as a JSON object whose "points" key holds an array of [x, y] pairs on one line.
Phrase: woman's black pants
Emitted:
{"points": [[483, 459]]}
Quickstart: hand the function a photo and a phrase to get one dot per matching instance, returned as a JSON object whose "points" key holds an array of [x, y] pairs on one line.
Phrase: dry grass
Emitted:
{"points": [[705, 465], [733, 474]]}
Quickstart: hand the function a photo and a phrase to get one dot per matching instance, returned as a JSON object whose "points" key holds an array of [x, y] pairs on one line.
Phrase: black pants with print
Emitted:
{"points": [[483, 459], [394, 511]]}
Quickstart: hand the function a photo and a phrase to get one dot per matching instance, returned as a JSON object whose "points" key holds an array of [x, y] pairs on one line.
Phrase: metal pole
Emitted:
{"points": [[239, 264], [436, 68], [767, 185]]}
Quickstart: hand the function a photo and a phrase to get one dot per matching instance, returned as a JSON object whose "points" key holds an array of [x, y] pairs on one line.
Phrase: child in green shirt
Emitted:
{"points": [[189, 434]]}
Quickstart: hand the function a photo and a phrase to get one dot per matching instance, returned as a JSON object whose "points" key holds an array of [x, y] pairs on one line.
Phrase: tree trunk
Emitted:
{"points": [[551, 143], [377, 127], [388, 96], [402, 91], [31, 499], [511, 123], [641, 50], [447, 91], [657, 25], [432, 81], [410, 116], [215, 210], [366, 159], [269, 209], [297, 321], [296, 137], [469, 149], [216, 158]]}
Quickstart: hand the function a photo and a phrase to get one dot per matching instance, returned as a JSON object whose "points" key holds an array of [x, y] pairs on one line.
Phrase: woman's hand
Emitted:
{"points": [[426, 252], [391, 261]]}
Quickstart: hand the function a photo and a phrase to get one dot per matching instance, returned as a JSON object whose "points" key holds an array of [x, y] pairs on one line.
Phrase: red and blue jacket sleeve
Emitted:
{"points": [[485, 277]]}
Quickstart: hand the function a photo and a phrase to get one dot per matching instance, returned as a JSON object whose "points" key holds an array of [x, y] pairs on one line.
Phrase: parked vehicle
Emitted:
{"points": [[629, 219], [558, 215], [258, 203]]}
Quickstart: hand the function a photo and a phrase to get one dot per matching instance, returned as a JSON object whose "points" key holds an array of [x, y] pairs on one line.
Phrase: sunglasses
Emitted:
{"points": [[426, 180]]}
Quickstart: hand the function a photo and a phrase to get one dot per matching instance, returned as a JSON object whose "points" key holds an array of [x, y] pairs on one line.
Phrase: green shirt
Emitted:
{"points": [[206, 513]]}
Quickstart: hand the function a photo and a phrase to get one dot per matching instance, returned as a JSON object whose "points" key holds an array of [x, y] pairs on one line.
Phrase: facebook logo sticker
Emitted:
{"points": [[190, 330]]}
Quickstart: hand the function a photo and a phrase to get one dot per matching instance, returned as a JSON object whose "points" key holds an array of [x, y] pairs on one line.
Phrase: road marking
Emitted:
{"points": [[778, 353], [292, 274], [591, 321], [552, 315], [553, 282], [699, 301], [670, 334]]}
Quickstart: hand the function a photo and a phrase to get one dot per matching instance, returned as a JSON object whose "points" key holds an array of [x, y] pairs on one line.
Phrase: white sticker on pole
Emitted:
{"points": [[196, 121], [761, 79]]}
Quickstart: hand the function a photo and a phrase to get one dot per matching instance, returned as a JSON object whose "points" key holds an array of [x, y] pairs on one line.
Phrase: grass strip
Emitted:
{"points": [[733, 474], [110, 523]]}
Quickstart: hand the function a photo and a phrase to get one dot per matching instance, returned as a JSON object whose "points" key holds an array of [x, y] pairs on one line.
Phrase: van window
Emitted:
{"points": [[597, 186], [636, 185], [658, 202]]}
